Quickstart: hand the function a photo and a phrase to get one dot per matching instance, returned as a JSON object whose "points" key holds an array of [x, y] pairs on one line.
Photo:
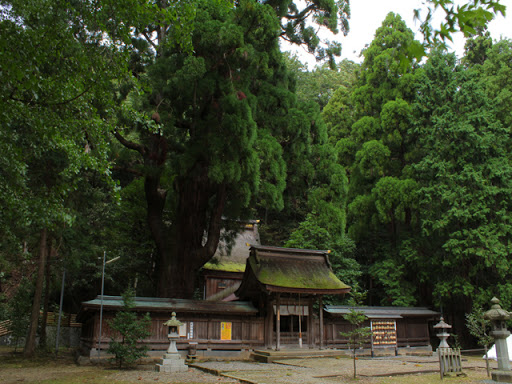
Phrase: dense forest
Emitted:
{"points": [[146, 129]]}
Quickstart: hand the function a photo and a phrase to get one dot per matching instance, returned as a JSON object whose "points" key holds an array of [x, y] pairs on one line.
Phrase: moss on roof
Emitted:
{"points": [[225, 265], [300, 272]]}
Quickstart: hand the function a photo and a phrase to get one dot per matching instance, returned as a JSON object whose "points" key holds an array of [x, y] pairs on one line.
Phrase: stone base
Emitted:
{"points": [[171, 362], [502, 376]]}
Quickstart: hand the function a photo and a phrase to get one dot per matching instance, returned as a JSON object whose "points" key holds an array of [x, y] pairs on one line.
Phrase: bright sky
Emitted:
{"points": [[368, 15]]}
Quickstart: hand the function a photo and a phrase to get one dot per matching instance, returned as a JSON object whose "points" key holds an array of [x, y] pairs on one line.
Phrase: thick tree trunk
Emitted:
{"points": [[195, 235], [192, 239], [155, 199], [30, 344]]}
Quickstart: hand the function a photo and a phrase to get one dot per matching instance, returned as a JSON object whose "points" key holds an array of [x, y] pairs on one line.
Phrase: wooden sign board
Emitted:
{"points": [[384, 333]]}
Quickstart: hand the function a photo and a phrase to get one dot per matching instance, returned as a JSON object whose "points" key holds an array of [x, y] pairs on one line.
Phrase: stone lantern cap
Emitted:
{"points": [[442, 324], [173, 322], [496, 313]]}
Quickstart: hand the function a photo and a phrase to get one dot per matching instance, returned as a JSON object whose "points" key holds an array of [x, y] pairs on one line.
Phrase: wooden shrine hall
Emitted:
{"points": [[273, 307], [284, 283]]}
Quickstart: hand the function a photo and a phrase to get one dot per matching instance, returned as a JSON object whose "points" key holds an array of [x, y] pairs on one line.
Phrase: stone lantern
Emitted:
{"points": [[172, 361], [174, 335], [443, 335], [498, 317]]}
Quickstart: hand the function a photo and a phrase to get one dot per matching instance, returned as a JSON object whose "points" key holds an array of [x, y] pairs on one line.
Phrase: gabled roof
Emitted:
{"points": [[382, 312], [274, 269], [233, 259], [155, 304]]}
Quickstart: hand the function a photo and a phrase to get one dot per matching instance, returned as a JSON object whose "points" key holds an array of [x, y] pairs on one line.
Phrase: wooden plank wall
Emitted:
{"points": [[247, 332], [410, 332]]}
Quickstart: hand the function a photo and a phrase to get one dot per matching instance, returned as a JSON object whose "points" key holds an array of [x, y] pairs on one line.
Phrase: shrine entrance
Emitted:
{"points": [[293, 330], [293, 324]]}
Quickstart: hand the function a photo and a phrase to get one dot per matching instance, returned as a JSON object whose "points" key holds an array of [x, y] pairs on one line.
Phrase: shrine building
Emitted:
{"points": [[273, 303]]}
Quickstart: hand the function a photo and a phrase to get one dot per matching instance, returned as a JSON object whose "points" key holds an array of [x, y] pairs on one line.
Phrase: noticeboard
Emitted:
{"points": [[384, 333]]}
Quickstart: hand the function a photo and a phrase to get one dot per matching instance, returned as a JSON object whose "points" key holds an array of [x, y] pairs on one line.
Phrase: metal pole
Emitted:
{"points": [[60, 311], [101, 306]]}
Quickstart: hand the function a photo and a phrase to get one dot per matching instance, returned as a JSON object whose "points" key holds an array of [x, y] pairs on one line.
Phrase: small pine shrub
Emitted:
{"points": [[131, 329]]}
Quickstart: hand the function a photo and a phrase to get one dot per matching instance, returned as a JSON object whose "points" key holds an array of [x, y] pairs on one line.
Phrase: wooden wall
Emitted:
{"points": [[410, 332], [214, 285], [247, 332]]}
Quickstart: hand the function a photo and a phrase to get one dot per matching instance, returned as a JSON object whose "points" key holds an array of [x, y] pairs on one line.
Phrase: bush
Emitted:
{"points": [[131, 329]]}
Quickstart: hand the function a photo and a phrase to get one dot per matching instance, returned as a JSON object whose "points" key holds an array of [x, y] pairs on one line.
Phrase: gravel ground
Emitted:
{"points": [[16, 375], [331, 370], [296, 371], [192, 376]]}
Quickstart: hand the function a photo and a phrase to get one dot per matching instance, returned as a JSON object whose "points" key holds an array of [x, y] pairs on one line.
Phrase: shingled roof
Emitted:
{"points": [[383, 312], [274, 269], [156, 304], [233, 258]]}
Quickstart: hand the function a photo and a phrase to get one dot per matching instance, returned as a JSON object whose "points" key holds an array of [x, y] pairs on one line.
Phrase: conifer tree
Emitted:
{"points": [[376, 151]]}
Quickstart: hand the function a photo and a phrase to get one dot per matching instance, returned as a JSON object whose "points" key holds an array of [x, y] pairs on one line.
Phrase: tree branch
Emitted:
{"points": [[148, 38], [302, 15], [130, 144], [32, 102], [133, 171]]}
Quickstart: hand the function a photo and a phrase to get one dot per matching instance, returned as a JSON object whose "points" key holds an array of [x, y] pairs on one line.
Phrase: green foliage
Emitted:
{"points": [[375, 146], [320, 84], [465, 177], [237, 133], [466, 18], [130, 329], [479, 327], [299, 21], [18, 311]]}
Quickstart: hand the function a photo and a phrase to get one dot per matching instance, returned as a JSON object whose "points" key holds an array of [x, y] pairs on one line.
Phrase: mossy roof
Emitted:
{"points": [[225, 265], [293, 270]]}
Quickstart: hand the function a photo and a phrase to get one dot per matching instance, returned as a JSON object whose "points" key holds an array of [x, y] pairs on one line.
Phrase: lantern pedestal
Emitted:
{"points": [[172, 362], [500, 341], [498, 317], [501, 376]]}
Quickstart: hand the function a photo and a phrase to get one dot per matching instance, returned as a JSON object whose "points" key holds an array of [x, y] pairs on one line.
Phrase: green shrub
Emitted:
{"points": [[131, 329]]}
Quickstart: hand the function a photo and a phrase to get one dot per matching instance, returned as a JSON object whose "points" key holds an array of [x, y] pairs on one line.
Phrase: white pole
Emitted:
{"points": [[60, 311], [101, 306]]}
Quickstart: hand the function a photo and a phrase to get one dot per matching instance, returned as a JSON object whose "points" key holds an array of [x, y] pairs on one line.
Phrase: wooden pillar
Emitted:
{"points": [[321, 317], [269, 324], [311, 329], [278, 322]]}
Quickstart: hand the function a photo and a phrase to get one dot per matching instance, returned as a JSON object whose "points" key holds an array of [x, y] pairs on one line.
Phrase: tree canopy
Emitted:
{"points": [[146, 127]]}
